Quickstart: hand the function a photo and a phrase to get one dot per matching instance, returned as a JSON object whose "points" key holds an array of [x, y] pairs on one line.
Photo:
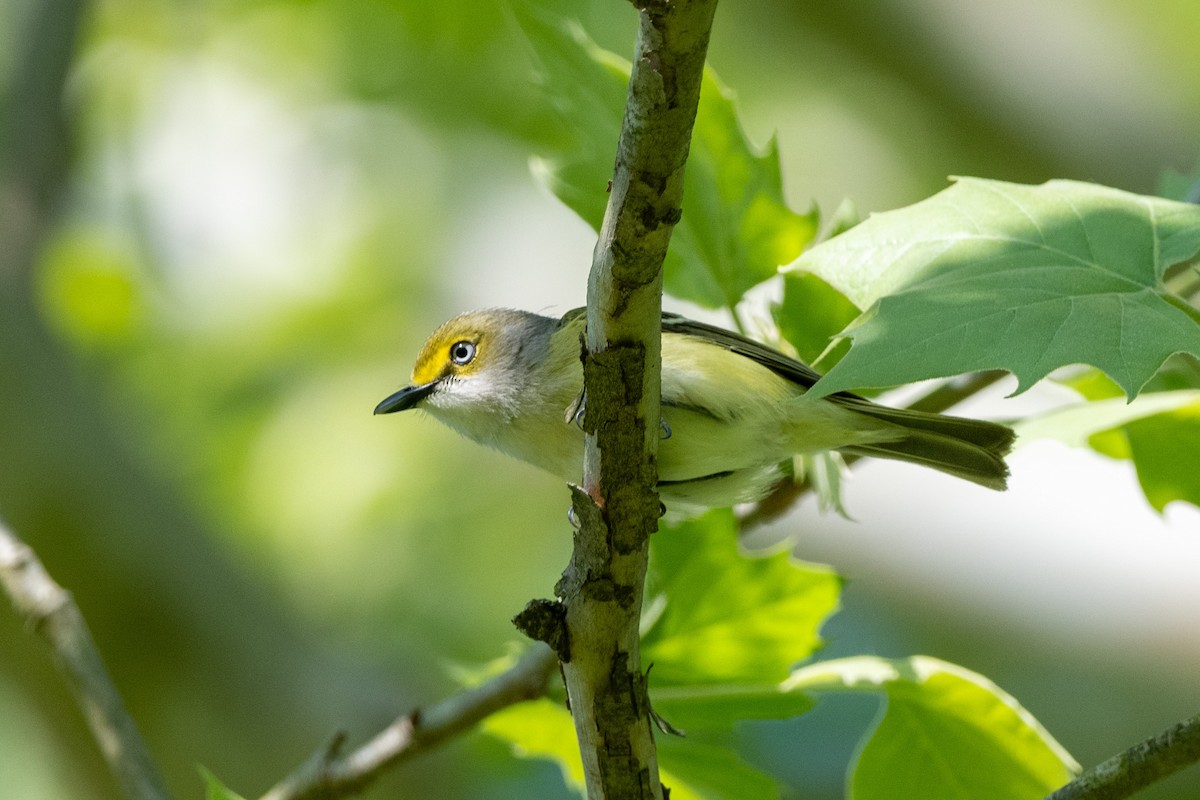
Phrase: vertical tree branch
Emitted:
{"points": [[52, 612], [619, 508]]}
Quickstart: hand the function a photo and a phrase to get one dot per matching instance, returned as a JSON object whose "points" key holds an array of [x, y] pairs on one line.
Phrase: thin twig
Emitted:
{"points": [[50, 610], [34, 154], [1141, 765], [327, 774]]}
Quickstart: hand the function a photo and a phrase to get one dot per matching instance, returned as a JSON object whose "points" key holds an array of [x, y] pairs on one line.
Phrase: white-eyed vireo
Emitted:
{"points": [[733, 409]]}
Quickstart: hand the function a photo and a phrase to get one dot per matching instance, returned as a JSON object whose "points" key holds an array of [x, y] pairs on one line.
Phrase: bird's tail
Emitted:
{"points": [[966, 448]]}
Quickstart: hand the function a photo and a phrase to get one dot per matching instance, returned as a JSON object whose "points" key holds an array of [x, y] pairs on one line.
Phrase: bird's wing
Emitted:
{"points": [[795, 371]]}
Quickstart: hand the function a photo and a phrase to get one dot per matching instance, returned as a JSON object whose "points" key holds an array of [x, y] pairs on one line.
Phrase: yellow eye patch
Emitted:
{"points": [[452, 348]]}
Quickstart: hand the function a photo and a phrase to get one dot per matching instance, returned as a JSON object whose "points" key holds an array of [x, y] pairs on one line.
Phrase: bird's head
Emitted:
{"points": [[478, 363]]}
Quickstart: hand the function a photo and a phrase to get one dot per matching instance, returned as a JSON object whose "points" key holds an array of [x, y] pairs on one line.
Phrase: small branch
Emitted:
{"points": [[327, 774], [51, 611], [1139, 766]]}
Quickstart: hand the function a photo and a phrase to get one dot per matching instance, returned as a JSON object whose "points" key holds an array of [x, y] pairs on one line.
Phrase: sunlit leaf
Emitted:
{"points": [[1076, 424], [699, 771], [1166, 451], [992, 275], [718, 705], [693, 770], [736, 229], [731, 618], [586, 88], [946, 734], [1092, 384], [540, 729], [1159, 431]]}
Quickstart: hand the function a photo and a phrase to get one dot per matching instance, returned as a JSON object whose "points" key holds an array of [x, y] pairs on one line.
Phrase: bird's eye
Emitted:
{"points": [[462, 352]]}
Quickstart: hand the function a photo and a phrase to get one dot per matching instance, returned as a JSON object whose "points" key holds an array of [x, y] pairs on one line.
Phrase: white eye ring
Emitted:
{"points": [[462, 353]]}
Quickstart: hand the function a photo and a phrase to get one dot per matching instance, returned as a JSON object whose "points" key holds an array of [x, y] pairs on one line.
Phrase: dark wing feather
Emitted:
{"points": [[795, 371]]}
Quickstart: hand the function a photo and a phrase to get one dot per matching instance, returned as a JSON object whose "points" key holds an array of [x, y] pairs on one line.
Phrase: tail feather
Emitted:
{"points": [[966, 448]]}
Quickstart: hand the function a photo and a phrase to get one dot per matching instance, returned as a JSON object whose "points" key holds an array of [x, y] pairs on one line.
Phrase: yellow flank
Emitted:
{"points": [[434, 360], [700, 374]]}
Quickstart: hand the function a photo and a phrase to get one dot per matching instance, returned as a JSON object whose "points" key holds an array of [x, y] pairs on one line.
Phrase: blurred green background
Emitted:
{"points": [[257, 210]]}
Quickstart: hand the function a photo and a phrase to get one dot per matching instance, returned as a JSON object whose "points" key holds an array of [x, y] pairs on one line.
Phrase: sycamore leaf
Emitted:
{"points": [[729, 618], [736, 229], [1077, 424], [1159, 431], [946, 734], [1165, 449], [700, 771], [993, 275], [585, 87], [541, 729]]}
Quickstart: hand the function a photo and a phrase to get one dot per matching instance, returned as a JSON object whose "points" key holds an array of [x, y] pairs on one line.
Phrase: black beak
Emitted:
{"points": [[406, 398]]}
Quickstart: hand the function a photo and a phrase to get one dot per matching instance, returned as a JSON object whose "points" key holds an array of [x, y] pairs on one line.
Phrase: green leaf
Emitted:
{"points": [[693, 770], [730, 618], [1077, 424], [736, 228], [992, 275], [540, 729], [699, 771], [215, 790], [585, 87], [810, 314], [1159, 432], [718, 706], [1166, 451], [946, 733], [1092, 384]]}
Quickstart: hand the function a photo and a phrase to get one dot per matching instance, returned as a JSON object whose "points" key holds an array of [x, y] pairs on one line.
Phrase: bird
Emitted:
{"points": [[734, 410]]}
